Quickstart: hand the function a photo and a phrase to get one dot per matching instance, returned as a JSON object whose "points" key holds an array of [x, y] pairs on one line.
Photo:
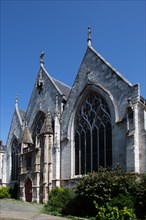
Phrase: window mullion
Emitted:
{"points": [[79, 154], [12, 168], [91, 145], [14, 164], [85, 149], [97, 148], [91, 125], [104, 146]]}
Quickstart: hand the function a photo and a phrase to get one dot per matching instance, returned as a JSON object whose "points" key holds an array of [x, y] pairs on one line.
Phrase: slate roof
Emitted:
{"points": [[143, 100], [63, 88], [110, 66]]}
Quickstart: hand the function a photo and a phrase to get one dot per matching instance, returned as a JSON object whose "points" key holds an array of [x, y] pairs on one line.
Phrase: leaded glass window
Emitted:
{"points": [[93, 135], [28, 162], [14, 156]]}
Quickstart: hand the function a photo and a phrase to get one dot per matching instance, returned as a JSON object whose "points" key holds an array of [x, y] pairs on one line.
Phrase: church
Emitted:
{"points": [[2, 164], [68, 132]]}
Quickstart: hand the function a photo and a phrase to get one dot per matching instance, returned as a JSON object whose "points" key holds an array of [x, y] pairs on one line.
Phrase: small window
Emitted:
{"points": [[130, 122], [130, 114], [28, 163]]}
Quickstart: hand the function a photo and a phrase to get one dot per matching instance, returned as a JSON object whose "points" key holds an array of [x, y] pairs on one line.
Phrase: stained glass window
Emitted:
{"points": [[93, 135]]}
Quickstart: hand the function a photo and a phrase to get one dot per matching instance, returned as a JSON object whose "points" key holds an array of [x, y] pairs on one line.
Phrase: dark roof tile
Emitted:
{"points": [[63, 88]]}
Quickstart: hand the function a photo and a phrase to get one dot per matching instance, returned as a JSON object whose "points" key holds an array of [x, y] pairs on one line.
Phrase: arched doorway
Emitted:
{"points": [[28, 190]]}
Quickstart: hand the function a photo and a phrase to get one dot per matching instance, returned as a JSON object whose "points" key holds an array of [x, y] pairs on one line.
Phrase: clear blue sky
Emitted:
{"points": [[60, 29]]}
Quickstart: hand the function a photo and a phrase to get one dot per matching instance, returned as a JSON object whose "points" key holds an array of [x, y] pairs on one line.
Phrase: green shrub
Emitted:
{"points": [[4, 192], [122, 201], [125, 194], [116, 188], [140, 198], [106, 184], [58, 199], [114, 213]]}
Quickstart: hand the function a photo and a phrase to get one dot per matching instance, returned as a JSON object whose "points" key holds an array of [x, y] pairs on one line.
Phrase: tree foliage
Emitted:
{"points": [[116, 188], [58, 199], [114, 213], [4, 192], [107, 194]]}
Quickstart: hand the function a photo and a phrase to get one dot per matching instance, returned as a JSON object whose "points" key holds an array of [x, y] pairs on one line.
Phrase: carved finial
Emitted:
{"points": [[130, 105], [16, 99], [25, 123], [42, 57], [47, 125], [40, 105], [56, 103], [89, 36], [40, 82]]}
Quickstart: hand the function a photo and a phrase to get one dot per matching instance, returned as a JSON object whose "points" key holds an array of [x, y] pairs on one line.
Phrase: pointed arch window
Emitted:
{"points": [[93, 135], [37, 125], [14, 156]]}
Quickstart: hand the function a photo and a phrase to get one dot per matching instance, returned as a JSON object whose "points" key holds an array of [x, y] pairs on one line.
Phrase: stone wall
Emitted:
{"points": [[97, 74]]}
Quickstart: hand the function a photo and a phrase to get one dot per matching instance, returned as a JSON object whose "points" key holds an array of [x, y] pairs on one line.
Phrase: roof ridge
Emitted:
{"points": [[61, 82], [61, 87], [50, 77]]}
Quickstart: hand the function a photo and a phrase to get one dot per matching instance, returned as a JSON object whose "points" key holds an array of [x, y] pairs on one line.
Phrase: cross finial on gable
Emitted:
{"points": [[16, 100], [42, 57], [89, 36]]}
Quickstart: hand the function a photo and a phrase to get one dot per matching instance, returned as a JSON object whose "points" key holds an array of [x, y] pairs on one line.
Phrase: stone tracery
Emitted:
{"points": [[93, 135]]}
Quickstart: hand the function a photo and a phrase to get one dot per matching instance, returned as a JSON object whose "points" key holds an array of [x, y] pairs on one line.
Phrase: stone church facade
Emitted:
{"points": [[68, 132], [2, 164]]}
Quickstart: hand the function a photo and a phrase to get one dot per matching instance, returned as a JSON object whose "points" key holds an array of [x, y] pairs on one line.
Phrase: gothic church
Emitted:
{"points": [[68, 132]]}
